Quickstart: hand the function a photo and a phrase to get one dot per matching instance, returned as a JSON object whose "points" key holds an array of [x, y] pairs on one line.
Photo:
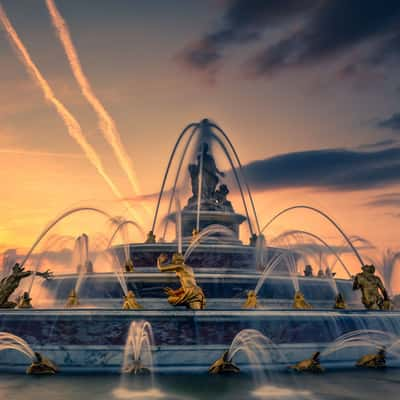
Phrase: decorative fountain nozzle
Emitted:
{"points": [[24, 301], [151, 238], [312, 364], [129, 266], [136, 368], [130, 302], [72, 300], [340, 304], [377, 360], [251, 301], [299, 302], [42, 366], [223, 366]]}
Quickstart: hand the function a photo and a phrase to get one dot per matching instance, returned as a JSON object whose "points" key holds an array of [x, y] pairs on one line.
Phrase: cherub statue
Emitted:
{"points": [[374, 294], [189, 294], [10, 283]]}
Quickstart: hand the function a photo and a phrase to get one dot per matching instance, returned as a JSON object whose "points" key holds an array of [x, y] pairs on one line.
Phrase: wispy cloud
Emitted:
{"points": [[385, 200]]}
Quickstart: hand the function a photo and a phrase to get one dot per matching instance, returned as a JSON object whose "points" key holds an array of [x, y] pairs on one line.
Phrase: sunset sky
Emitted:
{"points": [[309, 89]]}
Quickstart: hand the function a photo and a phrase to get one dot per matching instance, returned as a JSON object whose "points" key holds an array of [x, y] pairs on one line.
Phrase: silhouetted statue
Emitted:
{"points": [[209, 174], [308, 271], [374, 294], [10, 283], [194, 176]]}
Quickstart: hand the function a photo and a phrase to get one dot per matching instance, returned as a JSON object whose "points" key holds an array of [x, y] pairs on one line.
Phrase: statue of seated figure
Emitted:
{"points": [[374, 294], [189, 294]]}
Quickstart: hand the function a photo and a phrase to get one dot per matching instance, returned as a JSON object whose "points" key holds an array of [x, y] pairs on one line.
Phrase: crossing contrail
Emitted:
{"points": [[106, 123], [69, 120]]}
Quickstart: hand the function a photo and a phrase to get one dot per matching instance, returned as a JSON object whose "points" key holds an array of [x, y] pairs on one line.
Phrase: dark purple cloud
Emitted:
{"points": [[392, 123], [330, 169], [324, 29]]}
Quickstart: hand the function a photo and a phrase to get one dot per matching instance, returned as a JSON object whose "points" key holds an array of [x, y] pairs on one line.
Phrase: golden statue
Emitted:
{"points": [[377, 360], [151, 238], [251, 301], [189, 294], [42, 366], [129, 267], [72, 300], [374, 294], [223, 366], [340, 304], [312, 364], [130, 302], [299, 301], [24, 301]]}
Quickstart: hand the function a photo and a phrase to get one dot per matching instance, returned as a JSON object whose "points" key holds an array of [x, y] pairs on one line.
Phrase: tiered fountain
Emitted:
{"points": [[227, 286]]}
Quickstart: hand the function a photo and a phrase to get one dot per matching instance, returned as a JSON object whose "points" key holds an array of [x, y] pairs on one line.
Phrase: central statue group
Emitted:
{"points": [[189, 294]]}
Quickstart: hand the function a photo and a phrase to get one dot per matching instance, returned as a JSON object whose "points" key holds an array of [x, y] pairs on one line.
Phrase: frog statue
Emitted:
{"points": [[223, 366], [374, 294], [377, 360], [312, 364], [11, 282], [41, 366], [189, 294]]}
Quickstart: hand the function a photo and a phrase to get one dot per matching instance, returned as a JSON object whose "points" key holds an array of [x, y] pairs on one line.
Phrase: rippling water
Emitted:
{"points": [[333, 385]]}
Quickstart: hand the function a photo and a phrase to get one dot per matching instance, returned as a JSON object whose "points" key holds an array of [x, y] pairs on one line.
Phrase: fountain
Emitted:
{"points": [[195, 281], [40, 365]]}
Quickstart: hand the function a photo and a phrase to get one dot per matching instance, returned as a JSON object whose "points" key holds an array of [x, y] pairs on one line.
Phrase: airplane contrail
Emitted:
{"points": [[106, 123], [69, 120]]}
